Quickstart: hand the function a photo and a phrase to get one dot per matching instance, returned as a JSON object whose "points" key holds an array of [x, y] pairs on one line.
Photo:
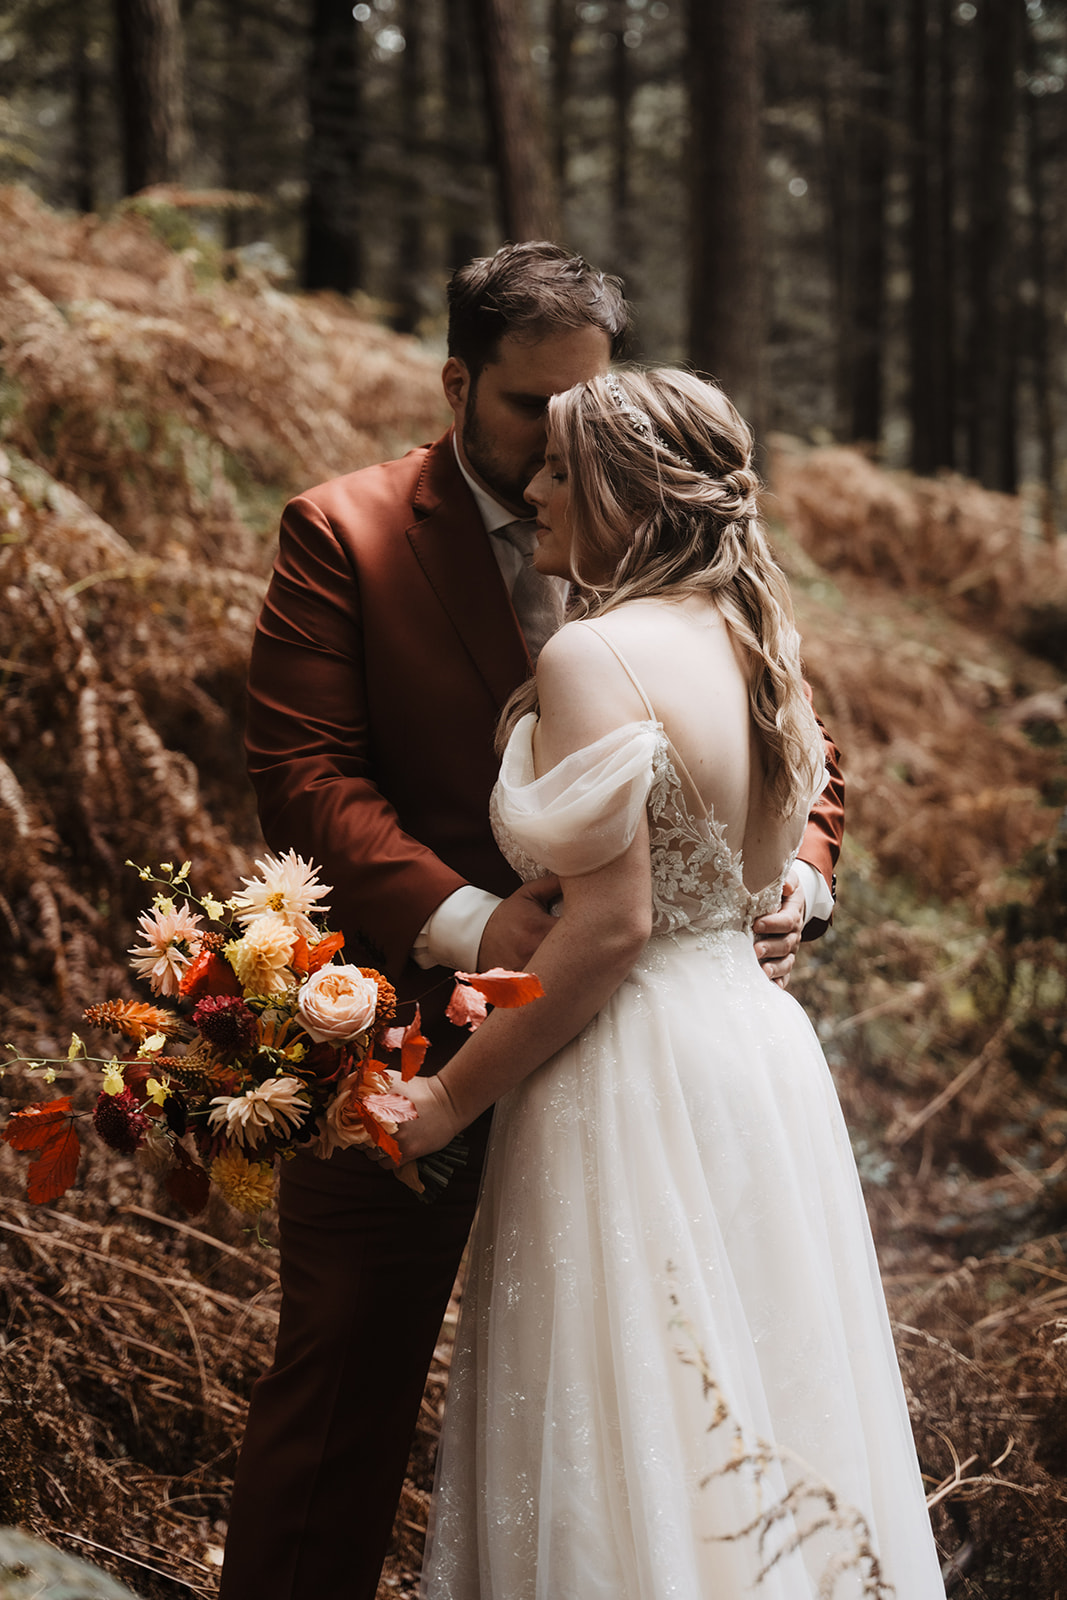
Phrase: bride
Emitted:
{"points": [[674, 1374]]}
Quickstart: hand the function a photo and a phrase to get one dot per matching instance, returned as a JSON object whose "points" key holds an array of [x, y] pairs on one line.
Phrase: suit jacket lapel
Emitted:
{"points": [[453, 550]]}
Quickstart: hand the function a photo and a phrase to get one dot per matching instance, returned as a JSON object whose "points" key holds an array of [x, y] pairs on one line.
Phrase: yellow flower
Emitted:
{"points": [[213, 907], [157, 1090], [76, 1047], [49, 1074], [246, 1185], [114, 1083], [260, 958], [152, 1045]]}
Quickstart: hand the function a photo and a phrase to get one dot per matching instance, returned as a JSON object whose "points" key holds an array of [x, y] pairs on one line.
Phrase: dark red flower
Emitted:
{"points": [[120, 1122], [227, 1023]]}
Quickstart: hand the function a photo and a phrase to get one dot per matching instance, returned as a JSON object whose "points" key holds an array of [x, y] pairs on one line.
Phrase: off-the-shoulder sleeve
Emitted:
{"points": [[585, 812]]}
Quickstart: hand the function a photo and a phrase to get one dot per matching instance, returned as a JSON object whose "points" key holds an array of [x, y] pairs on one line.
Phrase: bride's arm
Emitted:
{"points": [[604, 925]]}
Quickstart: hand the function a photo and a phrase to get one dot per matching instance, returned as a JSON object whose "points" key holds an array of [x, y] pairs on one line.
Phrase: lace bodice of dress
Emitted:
{"points": [[596, 797]]}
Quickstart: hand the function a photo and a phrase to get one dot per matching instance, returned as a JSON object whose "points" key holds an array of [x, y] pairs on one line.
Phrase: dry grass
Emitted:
{"points": [[154, 415]]}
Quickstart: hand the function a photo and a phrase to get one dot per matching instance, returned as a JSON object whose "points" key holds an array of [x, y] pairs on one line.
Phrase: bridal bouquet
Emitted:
{"points": [[269, 1045]]}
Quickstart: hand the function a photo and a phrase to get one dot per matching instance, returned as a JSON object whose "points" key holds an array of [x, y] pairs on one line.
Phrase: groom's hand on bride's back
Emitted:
{"points": [[777, 935], [518, 925]]}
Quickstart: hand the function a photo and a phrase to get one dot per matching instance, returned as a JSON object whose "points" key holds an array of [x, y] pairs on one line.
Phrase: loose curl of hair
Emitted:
{"points": [[663, 504]]}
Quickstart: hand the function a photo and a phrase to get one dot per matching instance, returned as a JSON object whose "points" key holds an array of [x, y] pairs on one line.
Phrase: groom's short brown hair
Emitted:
{"points": [[529, 289]]}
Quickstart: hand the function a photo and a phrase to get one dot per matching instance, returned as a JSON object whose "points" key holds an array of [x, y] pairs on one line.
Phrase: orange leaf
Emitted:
{"points": [[33, 1127], [53, 1169], [413, 1047], [325, 950], [503, 988], [383, 1140], [467, 1008], [298, 960], [48, 1130], [208, 974]]}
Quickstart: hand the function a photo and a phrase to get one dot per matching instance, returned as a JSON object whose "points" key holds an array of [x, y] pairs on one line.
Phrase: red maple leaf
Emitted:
{"points": [[48, 1130], [503, 988]]}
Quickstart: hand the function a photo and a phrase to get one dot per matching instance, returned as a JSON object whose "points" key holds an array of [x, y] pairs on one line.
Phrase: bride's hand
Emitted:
{"points": [[436, 1122]]}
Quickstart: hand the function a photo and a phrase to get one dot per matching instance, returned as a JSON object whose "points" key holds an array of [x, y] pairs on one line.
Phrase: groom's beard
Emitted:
{"points": [[504, 480]]}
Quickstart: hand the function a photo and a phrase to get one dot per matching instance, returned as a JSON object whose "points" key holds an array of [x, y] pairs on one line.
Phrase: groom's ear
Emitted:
{"points": [[456, 380]]}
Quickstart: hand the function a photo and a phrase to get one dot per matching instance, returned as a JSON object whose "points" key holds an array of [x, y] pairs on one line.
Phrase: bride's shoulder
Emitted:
{"points": [[583, 691], [575, 653]]}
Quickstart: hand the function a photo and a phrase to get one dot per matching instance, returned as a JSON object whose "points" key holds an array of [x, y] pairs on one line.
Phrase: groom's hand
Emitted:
{"points": [[777, 935], [518, 925]]}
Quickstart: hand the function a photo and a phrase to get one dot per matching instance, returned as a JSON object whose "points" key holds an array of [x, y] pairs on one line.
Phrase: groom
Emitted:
{"points": [[402, 613]]}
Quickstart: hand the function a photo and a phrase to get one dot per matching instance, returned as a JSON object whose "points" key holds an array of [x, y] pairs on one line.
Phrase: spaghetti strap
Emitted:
{"points": [[625, 665], [695, 795]]}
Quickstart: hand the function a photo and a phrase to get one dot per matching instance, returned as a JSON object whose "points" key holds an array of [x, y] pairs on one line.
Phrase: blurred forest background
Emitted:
{"points": [[225, 229]]}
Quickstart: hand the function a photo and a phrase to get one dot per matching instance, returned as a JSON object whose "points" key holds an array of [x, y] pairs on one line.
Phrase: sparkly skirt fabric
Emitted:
{"points": [[674, 1377]]}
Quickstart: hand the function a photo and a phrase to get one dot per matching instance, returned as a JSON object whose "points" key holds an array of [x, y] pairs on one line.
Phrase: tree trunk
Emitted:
{"points": [[622, 88], [412, 199], [332, 255], [930, 247], [232, 121], [923, 397], [725, 301], [151, 72], [528, 204], [563, 29], [465, 134], [991, 451], [945, 303], [83, 164], [861, 363], [1045, 322]]}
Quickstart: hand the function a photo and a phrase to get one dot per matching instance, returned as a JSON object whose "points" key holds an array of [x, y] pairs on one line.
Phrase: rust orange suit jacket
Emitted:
{"points": [[384, 652]]}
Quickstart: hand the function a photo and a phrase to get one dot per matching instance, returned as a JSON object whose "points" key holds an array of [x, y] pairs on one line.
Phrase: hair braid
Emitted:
{"points": [[664, 502]]}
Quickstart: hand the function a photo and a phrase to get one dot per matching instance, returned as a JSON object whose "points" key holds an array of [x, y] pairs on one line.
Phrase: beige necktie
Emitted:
{"points": [[537, 599]]}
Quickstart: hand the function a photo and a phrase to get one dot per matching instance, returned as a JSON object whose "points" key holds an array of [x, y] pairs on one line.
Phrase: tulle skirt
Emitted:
{"points": [[674, 1377]]}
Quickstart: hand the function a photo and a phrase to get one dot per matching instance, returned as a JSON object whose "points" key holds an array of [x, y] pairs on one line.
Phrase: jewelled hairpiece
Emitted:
{"points": [[641, 423]]}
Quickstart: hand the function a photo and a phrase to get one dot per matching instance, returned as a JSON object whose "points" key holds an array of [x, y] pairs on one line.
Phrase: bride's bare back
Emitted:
{"points": [[682, 655]]}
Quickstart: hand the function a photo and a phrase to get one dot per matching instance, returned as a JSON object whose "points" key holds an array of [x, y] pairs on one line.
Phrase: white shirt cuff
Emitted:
{"points": [[452, 935], [818, 901]]}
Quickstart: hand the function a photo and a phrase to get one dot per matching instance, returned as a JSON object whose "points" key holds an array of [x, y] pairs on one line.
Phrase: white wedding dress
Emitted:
{"points": [[674, 1377]]}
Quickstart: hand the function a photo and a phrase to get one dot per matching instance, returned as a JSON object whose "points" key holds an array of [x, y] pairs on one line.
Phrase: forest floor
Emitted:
{"points": [[158, 402]]}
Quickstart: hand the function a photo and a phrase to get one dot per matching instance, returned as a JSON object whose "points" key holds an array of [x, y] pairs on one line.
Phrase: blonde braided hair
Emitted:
{"points": [[664, 504]]}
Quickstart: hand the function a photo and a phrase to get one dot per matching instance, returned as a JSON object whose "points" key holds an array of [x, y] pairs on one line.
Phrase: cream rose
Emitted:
{"points": [[362, 1096], [336, 1003]]}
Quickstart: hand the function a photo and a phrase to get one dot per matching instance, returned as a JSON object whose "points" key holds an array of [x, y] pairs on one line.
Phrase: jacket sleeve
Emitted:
{"points": [[309, 751], [821, 844]]}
